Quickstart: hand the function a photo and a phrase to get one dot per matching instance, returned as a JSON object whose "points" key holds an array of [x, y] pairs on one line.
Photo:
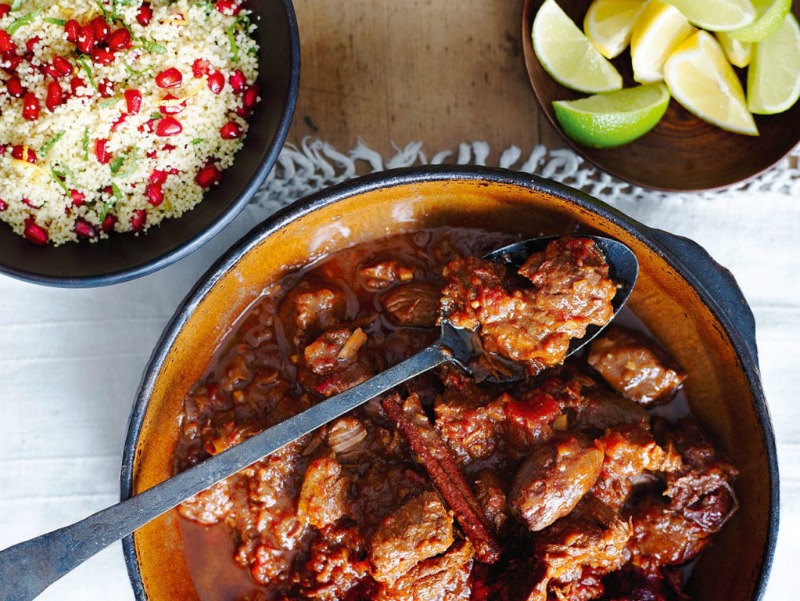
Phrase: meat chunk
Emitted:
{"points": [[310, 308], [553, 479], [323, 496], [490, 491], [209, 506], [472, 430], [571, 290], [635, 366], [336, 361], [418, 530], [382, 274], [412, 304], [336, 564], [442, 578]]}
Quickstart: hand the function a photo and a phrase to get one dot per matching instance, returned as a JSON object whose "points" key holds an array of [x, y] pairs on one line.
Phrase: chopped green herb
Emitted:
{"points": [[58, 177], [206, 5], [55, 21], [197, 141], [156, 115], [106, 15], [232, 42], [134, 154], [107, 206], [152, 46], [88, 69], [49, 144], [85, 144], [22, 21], [117, 164], [110, 101], [133, 71], [115, 191]]}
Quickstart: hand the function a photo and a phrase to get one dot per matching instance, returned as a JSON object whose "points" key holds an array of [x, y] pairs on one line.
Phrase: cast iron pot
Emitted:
{"points": [[690, 303], [125, 256]]}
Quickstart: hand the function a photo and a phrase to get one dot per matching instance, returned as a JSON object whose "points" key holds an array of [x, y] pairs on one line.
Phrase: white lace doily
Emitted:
{"points": [[316, 164]]}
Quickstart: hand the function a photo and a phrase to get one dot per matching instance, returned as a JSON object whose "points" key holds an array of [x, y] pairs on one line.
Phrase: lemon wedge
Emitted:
{"points": [[614, 118], [608, 24], [717, 15], [659, 30], [737, 52], [702, 80], [769, 16], [773, 79], [568, 55]]}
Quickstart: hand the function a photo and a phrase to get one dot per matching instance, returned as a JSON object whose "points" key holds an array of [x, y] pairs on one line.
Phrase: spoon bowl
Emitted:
{"points": [[37, 563]]}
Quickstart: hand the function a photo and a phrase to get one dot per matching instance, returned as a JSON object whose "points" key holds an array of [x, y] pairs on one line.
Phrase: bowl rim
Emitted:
{"points": [[740, 330], [193, 243]]}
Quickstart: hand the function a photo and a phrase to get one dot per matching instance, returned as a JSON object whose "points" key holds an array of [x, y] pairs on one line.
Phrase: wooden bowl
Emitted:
{"points": [[682, 152], [125, 256], [691, 304]]}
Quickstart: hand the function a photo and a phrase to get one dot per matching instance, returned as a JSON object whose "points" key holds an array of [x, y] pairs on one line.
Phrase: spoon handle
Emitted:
{"points": [[28, 568]]}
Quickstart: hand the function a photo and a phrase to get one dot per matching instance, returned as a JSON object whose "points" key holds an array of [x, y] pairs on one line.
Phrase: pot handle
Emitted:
{"points": [[718, 283]]}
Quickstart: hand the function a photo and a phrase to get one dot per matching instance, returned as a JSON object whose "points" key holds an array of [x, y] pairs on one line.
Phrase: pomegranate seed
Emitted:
{"points": [[216, 82], [78, 198], [11, 62], [243, 111], [30, 107], [151, 154], [15, 87], [200, 67], [106, 88], [62, 65], [155, 194], [238, 81], [158, 177], [23, 153], [85, 41], [169, 78], [35, 233], [84, 229], [100, 29], [72, 28], [118, 121], [6, 43], [207, 176], [170, 148], [230, 131], [171, 108], [100, 151], [4, 9], [119, 39], [250, 96], [103, 56], [168, 126], [145, 14], [75, 84], [3, 205], [228, 7], [133, 99], [31, 42], [54, 96], [138, 219], [50, 70], [108, 222], [28, 202]]}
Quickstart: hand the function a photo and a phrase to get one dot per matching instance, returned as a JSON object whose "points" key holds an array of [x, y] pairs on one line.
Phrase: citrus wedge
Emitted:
{"points": [[608, 24], [738, 53], [568, 55], [773, 79], [612, 119], [717, 15], [769, 16], [703, 81], [659, 29]]}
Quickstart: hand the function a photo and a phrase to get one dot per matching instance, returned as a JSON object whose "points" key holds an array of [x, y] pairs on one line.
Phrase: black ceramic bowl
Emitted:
{"points": [[686, 300], [125, 256]]}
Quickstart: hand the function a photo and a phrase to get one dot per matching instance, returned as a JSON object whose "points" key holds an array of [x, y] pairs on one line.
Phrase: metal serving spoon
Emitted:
{"points": [[28, 568]]}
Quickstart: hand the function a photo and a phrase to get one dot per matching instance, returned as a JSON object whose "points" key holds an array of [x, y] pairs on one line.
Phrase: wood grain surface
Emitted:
{"points": [[396, 71]]}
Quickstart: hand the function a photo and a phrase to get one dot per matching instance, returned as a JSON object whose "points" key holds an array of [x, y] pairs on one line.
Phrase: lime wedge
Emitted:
{"points": [[568, 55], [770, 15], [612, 119], [717, 15], [657, 32], [699, 77], [608, 24], [773, 78], [738, 53]]}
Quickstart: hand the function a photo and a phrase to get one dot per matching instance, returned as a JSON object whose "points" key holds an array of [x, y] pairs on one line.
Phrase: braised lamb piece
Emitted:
{"points": [[561, 486]]}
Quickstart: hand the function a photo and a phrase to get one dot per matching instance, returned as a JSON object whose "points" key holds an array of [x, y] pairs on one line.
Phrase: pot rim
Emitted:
{"points": [[667, 246]]}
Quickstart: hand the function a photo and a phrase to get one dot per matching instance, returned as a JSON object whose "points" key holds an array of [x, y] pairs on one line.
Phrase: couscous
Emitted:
{"points": [[116, 114]]}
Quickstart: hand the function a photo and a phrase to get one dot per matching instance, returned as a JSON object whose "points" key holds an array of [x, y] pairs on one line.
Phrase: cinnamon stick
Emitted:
{"points": [[424, 440]]}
